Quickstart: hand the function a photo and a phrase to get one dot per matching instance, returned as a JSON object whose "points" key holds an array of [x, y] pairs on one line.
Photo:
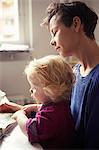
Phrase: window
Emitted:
{"points": [[15, 21], [9, 20]]}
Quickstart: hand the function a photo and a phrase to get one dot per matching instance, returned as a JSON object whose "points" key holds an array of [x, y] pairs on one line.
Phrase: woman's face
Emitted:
{"points": [[64, 39]]}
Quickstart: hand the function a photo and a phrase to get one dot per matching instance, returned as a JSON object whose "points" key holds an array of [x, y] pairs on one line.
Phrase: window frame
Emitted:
{"points": [[25, 23]]}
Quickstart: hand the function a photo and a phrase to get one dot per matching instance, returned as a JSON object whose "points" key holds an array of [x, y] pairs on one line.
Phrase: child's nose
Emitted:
{"points": [[31, 91]]}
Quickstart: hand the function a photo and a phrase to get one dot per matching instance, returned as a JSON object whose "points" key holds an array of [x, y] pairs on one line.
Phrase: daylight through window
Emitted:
{"points": [[9, 20]]}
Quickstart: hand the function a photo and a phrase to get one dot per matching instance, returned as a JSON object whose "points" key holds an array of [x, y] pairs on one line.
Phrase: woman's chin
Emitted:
{"points": [[63, 54]]}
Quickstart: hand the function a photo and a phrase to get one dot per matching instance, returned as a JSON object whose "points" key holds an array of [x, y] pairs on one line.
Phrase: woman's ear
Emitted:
{"points": [[76, 23]]}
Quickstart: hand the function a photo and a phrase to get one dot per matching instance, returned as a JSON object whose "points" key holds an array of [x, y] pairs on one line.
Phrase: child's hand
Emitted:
{"points": [[31, 107], [21, 119], [17, 114]]}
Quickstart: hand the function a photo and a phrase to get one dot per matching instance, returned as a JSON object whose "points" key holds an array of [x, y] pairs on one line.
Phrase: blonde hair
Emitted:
{"points": [[54, 74]]}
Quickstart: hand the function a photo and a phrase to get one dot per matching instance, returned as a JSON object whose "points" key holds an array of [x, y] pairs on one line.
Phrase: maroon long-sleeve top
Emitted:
{"points": [[52, 126]]}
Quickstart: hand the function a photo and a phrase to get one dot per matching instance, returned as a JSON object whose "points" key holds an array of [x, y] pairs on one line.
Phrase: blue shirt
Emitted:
{"points": [[85, 107]]}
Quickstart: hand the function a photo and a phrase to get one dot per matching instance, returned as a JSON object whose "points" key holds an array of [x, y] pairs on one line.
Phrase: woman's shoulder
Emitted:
{"points": [[95, 73]]}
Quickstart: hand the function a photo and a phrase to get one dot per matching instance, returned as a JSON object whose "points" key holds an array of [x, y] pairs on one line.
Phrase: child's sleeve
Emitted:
{"points": [[41, 127]]}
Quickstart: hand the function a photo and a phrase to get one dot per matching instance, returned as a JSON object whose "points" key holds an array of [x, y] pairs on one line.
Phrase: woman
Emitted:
{"points": [[72, 28]]}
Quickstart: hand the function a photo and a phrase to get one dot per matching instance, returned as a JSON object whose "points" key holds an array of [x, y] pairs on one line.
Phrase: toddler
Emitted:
{"points": [[51, 80]]}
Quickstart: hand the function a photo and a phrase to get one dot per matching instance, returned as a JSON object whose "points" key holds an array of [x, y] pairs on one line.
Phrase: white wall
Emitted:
{"points": [[12, 79], [95, 6], [41, 38]]}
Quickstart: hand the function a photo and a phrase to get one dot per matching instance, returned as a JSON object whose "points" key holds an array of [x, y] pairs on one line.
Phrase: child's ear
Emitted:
{"points": [[76, 23]]}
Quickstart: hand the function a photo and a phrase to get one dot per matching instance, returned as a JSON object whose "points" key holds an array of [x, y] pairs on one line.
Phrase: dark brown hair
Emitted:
{"points": [[68, 10]]}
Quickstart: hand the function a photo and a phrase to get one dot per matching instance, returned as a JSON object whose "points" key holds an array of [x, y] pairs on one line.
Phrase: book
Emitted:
{"points": [[5, 119], [9, 107], [7, 124], [2, 94]]}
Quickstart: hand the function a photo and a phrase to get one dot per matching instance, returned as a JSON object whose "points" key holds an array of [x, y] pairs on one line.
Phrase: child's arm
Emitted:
{"points": [[21, 115], [31, 107], [21, 119]]}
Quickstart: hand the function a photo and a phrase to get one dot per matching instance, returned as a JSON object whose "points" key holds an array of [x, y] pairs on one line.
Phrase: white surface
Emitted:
{"points": [[18, 141], [2, 94]]}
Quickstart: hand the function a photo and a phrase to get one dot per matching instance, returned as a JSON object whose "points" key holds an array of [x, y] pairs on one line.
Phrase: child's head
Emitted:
{"points": [[52, 76]]}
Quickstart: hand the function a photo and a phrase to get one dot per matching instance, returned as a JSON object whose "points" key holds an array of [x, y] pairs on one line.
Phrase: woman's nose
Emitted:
{"points": [[52, 42]]}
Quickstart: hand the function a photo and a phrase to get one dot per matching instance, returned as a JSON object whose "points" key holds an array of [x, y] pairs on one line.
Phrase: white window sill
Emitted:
{"points": [[14, 47]]}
